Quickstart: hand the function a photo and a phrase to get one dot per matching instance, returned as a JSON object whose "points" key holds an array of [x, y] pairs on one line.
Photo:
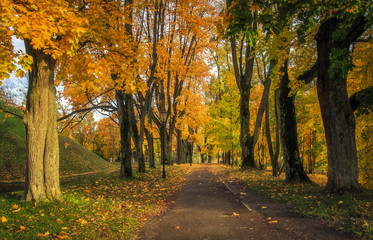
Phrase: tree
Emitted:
{"points": [[50, 29], [244, 21], [180, 65], [336, 33], [108, 54]]}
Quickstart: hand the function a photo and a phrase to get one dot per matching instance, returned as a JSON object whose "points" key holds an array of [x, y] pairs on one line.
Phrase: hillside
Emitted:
{"points": [[74, 158]]}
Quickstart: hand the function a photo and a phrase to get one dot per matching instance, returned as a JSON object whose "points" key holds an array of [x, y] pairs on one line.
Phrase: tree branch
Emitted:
{"points": [[107, 108], [362, 101], [12, 113], [309, 75]]}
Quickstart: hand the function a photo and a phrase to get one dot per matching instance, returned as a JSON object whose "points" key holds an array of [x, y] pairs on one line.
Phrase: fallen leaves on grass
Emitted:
{"points": [[103, 208], [3, 219]]}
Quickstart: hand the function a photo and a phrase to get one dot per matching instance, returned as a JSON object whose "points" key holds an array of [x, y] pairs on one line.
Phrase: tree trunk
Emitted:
{"points": [[288, 130], [337, 115], [246, 140], [190, 152], [149, 137], [138, 139], [123, 102], [168, 142], [180, 151], [273, 155], [42, 183]]}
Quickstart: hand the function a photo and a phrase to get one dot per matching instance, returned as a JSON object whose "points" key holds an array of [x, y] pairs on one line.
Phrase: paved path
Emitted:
{"points": [[207, 209]]}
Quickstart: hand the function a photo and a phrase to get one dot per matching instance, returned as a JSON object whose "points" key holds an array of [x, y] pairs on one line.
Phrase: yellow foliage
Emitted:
{"points": [[359, 78], [3, 219]]}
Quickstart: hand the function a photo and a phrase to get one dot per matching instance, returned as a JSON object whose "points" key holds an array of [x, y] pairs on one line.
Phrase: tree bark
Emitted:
{"points": [[288, 130], [138, 138], [124, 104], [190, 152], [42, 182], [149, 137], [337, 115], [179, 147], [273, 154]]}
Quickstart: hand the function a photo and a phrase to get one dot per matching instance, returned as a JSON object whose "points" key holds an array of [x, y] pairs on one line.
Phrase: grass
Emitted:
{"points": [[74, 158], [352, 212], [96, 208]]}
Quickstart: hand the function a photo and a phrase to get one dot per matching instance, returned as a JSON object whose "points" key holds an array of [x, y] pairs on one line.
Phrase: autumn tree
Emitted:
{"points": [[49, 29], [341, 25], [107, 55], [183, 38], [360, 82]]}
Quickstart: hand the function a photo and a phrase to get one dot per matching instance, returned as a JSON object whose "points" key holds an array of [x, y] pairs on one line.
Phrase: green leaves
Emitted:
{"points": [[239, 19], [341, 62]]}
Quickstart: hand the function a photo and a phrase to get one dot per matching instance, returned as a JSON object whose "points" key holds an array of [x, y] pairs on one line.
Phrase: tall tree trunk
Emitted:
{"points": [[168, 143], [273, 154], [42, 182], [288, 130], [337, 115], [179, 147], [190, 152], [138, 139], [149, 137], [124, 105]]}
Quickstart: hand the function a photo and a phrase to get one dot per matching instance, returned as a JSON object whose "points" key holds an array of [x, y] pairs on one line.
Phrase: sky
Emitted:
{"points": [[16, 87]]}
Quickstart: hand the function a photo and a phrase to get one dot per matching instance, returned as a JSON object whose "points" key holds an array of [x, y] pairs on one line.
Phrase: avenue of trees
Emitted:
{"points": [[255, 83]]}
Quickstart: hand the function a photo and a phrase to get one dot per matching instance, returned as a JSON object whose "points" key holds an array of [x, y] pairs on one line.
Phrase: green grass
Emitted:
{"points": [[352, 212], [96, 208], [74, 158]]}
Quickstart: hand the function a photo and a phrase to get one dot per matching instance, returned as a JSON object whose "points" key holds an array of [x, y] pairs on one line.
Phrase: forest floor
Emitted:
{"points": [[214, 206]]}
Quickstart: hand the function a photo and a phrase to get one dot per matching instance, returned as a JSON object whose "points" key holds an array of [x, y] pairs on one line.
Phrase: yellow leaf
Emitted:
{"points": [[3, 219], [15, 206], [177, 227], [17, 210], [46, 234], [22, 228], [82, 221], [20, 73], [235, 214]]}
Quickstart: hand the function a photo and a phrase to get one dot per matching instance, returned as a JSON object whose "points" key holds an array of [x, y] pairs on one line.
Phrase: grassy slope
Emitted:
{"points": [[74, 158]]}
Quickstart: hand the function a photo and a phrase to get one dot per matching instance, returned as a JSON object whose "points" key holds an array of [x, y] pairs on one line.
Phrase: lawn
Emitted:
{"points": [[94, 208]]}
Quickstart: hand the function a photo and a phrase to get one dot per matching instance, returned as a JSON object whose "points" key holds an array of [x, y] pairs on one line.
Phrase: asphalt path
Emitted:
{"points": [[209, 208]]}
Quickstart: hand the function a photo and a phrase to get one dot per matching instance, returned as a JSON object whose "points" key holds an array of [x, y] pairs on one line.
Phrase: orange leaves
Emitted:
{"points": [[3, 219], [81, 221], [50, 25], [15, 208], [270, 221], [46, 234]]}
